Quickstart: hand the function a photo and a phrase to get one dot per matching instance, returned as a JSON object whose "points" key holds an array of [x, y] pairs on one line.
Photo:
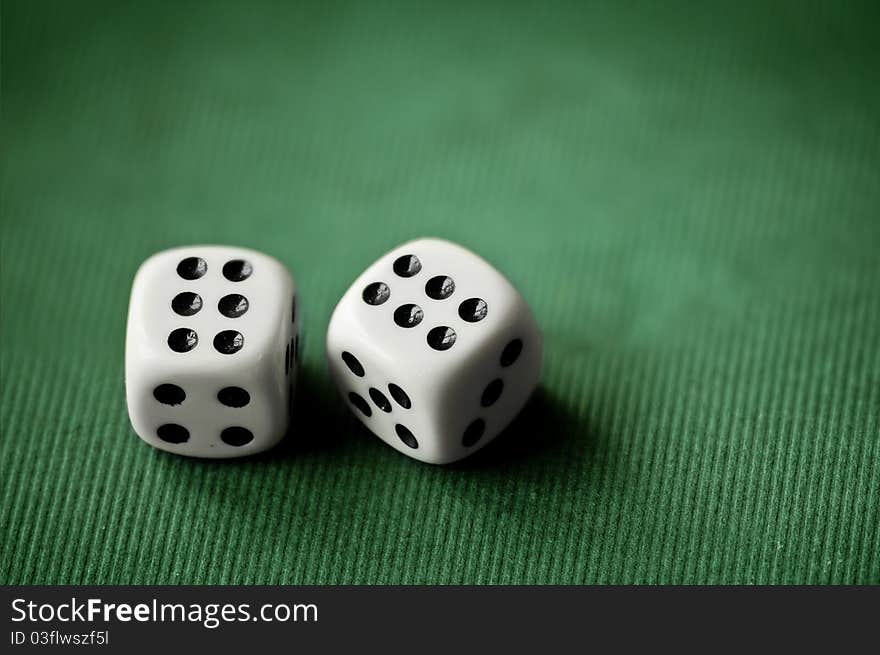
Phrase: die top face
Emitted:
{"points": [[428, 304], [206, 308]]}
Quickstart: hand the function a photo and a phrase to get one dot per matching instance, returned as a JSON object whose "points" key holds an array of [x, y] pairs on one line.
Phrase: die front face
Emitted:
{"points": [[211, 351], [415, 346]]}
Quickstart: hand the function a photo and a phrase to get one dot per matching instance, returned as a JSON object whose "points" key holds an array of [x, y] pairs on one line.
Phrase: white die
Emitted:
{"points": [[435, 350], [211, 351]]}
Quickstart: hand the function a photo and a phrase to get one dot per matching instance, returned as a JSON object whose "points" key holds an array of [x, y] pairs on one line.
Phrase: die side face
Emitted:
{"points": [[210, 351], [482, 399], [428, 317], [391, 401]]}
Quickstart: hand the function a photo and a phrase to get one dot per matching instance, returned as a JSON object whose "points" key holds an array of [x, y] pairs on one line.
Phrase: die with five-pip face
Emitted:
{"points": [[433, 349]]}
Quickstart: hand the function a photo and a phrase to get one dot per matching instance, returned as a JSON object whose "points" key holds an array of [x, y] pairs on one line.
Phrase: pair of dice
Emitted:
{"points": [[434, 350]]}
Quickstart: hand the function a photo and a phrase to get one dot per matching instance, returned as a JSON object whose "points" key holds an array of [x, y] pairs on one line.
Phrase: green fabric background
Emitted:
{"points": [[687, 194]]}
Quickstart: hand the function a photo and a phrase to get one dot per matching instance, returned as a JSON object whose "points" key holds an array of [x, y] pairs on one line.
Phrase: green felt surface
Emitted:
{"points": [[687, 194]]}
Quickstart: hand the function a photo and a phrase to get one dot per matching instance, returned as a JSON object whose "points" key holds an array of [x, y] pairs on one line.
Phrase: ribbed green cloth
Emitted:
{"points": [[688, 194]]}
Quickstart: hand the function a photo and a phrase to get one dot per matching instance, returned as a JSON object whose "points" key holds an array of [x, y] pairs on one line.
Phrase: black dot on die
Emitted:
{"points": [[228, 342], [182, 340], [376, 293], [511, 352], [293, 310], [381, 401], [473, 433], [441, 338], [353, 364], [440, 287], [237, 270], [408, 316], [186, 303], [236, 436], [406, 436], [192, 268], [233, 397], [473, 310], [360, 403], [169, 394], [233, 305], [407, 265], [172, 433], [399, 396], [492, 392]]}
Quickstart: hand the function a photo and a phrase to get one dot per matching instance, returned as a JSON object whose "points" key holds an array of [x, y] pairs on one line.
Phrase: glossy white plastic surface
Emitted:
{"points": [[265, 366], [445, 387]]}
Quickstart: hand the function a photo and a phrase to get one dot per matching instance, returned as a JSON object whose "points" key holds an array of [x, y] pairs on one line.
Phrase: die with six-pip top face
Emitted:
{"points": [[211, 351], [432, 348]]}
